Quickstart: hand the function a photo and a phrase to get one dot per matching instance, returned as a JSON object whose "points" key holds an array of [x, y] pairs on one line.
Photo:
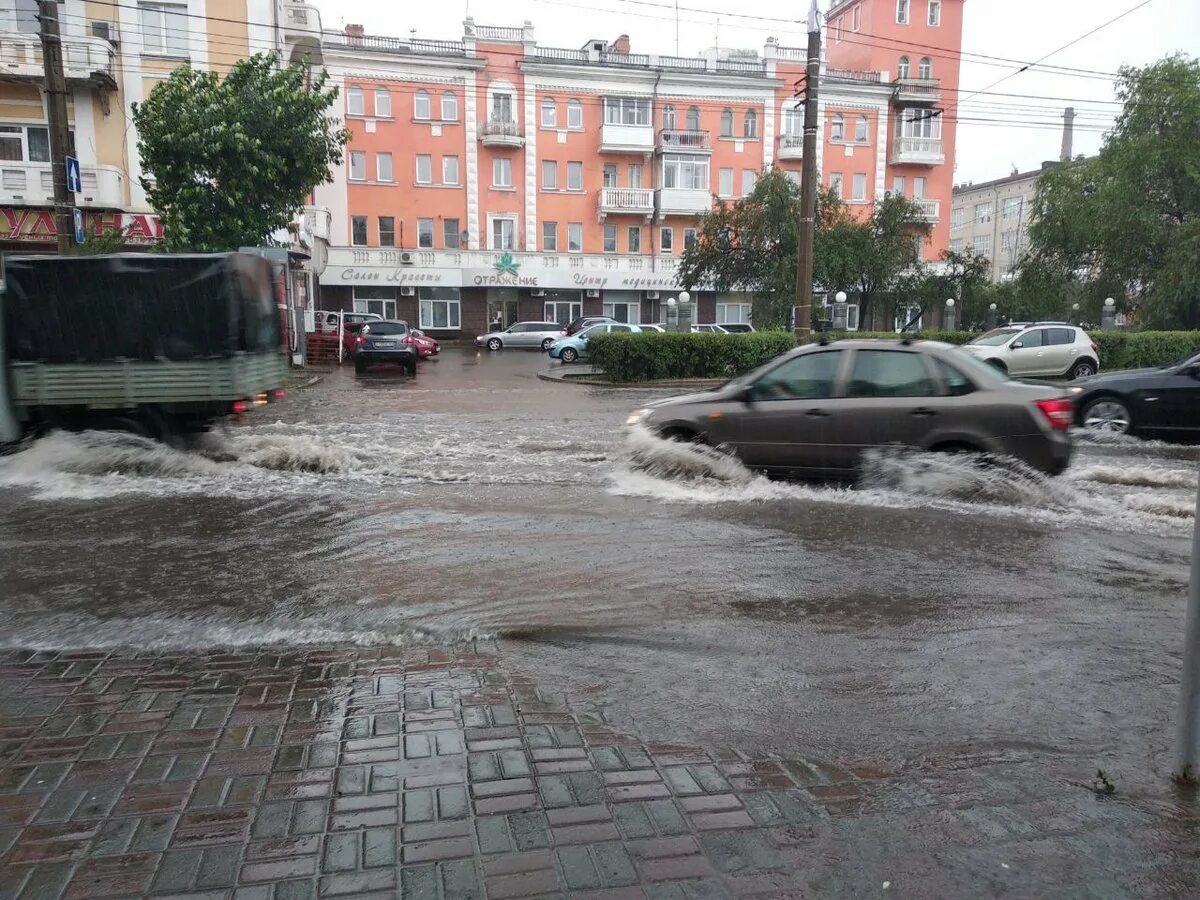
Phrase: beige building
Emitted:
{"points": [[992, 218]]}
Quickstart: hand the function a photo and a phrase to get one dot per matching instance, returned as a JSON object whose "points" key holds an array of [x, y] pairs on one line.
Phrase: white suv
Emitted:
{"points": [[1043, 349]]}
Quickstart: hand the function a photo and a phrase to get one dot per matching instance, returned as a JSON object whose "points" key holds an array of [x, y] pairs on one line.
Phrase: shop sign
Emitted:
{"points": [[351, 275], [27, 224]]}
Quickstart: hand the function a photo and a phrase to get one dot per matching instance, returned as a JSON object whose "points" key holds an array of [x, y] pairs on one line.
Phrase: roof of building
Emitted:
{"points": [[1008, 179]]}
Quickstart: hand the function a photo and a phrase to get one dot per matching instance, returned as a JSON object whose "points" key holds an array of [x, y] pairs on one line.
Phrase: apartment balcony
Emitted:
{"points": [[684, 140], [917, 152], [917, 91], [626, 201], [683, 201], [301, 30], [87, 61], [929, 209], [616, 138], [496, 133], [791, 146], [32, 184]]}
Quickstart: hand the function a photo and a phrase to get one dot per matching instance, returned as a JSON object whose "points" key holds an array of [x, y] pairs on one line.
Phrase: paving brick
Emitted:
{"points": [[597, 866], [511, 803], [624, 792], [511, 863], [278, 870], [456, 879], [578, 789], [524, 884], [501, 788], [519, 831], [451, 848], [359, 885], [577, 815], [496, 765], [654, 817], [584, 834], [714, 803]]}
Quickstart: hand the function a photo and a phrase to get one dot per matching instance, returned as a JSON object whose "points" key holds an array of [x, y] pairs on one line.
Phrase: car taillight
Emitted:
{"points": [[409, 341], [279, 394], [1059, 413], [239, 407], [1095, 349], [563, 333], [360, 339]]}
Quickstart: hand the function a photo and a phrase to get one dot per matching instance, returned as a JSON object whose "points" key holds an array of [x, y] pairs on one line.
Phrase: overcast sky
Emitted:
{"points": [[1028, 130]]}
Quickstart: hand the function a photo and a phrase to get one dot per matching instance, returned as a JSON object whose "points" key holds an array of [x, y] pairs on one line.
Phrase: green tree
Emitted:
{"points": [[231, 160], [1127, 222], [963, 276]]}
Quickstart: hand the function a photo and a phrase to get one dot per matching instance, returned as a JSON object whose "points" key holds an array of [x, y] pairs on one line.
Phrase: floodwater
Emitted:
{"points": [[935, 604]]}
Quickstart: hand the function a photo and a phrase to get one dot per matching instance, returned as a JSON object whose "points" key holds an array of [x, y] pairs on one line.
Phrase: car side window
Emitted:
{"points": [[889, 373], [1034, 338], [957, 384], [1059, 336], [806, 377], [619, 328]]}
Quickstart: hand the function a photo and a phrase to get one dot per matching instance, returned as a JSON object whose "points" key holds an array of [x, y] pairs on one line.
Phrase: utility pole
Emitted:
{"points": [[56, 109], [808, 180]]}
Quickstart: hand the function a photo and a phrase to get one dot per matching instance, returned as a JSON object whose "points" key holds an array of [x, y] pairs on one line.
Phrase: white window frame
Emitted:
{"points": [[383, 103], [984, 212], [575, 229], [355, 98], [550, 229], [20, 134], [750, 125], [689, 237], [380, 175], [451, 177], [742, 314], [493, 220], [956, 245], [935, 13], [725, 182], [899, 186], [918, 123], [749, 180], [635, 175], [170, 34], [366, 231], [666, 240], [610, 176], [381, 306], [422, 106], [549, 112], [633, 246], [668, 117], [836, 185], [862, 130], [1008, 241], [609, 244], [379, 230], [550, 311], [903, 12], [1015, 205], [837, 128], [727, 123], [574, 168], [550, 167], [574, 114], [500, 166], [425, 226], [449, 99], [453, 312], [925, 68], [496, 90], [452, 238], [858, 188], [920, 185], [694, 166], [358, 161], [793, 120], [982, 245], [903, 67], [906, 313], [428, 179], [958, 216], [627, 111]]}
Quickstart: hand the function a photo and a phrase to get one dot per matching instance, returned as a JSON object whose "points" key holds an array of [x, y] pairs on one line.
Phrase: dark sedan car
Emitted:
{"points": [[387, 341], [1162, 403], [815, 410], [587, 322]]}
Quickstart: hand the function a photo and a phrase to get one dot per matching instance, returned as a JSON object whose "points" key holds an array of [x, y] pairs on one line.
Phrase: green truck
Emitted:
{"points": [[153, 343]]}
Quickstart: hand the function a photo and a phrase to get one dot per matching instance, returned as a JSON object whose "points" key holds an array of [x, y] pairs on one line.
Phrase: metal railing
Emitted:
{"points": [[395, 45], [744, 67], [560, 53], [693, 63], [799, 54], [624, 59], [683, 139], [853, 75], [501, 128], [634, 199], [918, 88]]}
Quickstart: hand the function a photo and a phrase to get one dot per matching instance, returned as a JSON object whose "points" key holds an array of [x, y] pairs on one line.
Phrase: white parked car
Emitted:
{"points": [[527, 335], [709, 329], [1042, 349]]}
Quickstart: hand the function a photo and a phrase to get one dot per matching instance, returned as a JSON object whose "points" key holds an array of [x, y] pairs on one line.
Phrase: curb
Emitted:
{"points": [[700, 384]]}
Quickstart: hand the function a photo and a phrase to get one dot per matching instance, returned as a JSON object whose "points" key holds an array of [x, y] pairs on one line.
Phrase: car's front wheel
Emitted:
{"points": [[547, 344], [494, 344], [1107, 414], [569, 354], [1084, 368]]}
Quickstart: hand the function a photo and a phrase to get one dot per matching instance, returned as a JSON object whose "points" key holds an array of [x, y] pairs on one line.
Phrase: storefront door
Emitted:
{"points": [[502, 311], [624, 306]]}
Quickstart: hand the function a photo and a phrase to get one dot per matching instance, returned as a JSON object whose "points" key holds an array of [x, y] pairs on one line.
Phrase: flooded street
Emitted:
{"points": [[933, 605]]}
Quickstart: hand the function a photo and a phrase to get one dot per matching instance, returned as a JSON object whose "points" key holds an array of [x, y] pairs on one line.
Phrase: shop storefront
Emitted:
{"points": [[624, 306], [503, 308], [562, 307], [33, 229]]}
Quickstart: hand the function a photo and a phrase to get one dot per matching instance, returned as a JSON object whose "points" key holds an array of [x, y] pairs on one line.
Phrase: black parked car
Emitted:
{"points": [[387, 341], [1162, 403], [587, 322]]}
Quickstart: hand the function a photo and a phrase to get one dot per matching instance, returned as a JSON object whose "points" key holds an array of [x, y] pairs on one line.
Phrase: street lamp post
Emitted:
{"points": [[841, 312], [1108, 316], [1074, 313], [685, 309], [992, 316], [672, 315], [948, 324]]}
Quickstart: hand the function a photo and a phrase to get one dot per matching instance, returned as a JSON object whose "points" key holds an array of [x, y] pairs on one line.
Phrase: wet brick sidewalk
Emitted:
{"points": [[436, 775]]}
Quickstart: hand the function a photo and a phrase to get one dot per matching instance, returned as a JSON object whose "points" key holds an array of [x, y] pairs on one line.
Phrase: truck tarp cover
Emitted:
{"points": [[137, 306]]}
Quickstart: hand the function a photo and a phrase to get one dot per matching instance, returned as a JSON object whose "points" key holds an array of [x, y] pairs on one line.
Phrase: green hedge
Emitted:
{"points": [[1143, 349], [659, 356]]}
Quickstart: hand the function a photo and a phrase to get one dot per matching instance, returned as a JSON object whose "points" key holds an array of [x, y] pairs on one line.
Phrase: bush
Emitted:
{"points": [[1143, 349], [657, 356]]}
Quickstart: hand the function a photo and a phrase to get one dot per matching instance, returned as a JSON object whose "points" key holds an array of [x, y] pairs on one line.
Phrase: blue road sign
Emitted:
{"points": [[77, 216], [74, 181]]}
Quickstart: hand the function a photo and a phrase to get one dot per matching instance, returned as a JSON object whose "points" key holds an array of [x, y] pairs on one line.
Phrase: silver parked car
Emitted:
{"points": [[1043, 350], [527, 335]]}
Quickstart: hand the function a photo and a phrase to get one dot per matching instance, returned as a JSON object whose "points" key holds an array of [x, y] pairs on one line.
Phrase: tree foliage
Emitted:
{"points": [[229, 161], [1128, 220]]}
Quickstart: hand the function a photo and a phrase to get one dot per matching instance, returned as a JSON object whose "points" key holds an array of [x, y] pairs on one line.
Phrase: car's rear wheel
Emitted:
{"points": [[494, 344], [547, 344], [1083, 369], [569, 354], [1107, 414]]}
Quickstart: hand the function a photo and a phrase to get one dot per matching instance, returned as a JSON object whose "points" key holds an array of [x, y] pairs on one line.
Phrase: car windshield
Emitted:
{"points": [[977, 368], [589, 330], [996, 337], [378, 328]]}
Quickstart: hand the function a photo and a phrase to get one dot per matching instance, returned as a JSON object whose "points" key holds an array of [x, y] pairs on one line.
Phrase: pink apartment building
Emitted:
{"points": [[490, 177]]}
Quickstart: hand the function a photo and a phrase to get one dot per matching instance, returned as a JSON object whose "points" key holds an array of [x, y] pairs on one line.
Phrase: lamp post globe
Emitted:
{"points": [[841, 297], [684, 296]]}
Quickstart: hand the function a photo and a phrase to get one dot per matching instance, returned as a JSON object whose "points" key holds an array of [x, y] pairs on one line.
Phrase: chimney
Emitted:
{"points": [[1068, 133], [355, 31], [620, 45]]}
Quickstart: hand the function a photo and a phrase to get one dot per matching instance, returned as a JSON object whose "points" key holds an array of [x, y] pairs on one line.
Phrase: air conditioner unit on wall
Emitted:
{"points": [[408, 291], [537, 292], [106, 30], [407, 259], [651, 295], [593, 293]]}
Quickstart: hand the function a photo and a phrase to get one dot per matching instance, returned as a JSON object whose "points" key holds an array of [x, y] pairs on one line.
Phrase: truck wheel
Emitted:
{"points": [[127, 425]]}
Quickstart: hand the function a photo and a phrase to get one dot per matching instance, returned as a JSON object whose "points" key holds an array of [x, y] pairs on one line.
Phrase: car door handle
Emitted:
{"points": [[817, 413], [924, 411]]}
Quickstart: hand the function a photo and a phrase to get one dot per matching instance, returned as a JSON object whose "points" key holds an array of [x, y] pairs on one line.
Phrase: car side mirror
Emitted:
{"points": [[745, 394], [1015, 345]]}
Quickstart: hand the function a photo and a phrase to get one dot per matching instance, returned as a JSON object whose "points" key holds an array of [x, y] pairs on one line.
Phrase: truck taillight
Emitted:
{"points": [[239, 407], [1059, 413]]}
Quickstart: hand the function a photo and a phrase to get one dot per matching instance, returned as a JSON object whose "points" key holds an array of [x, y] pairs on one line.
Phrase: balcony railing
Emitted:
{"points": [[639, 201], [740, 66], [791, 146], [560, 53], [87, 60], [929, 209], [497, 33], [32, 183], [620, 138], [917, 90], [853, 75], [684, 201], [499, 133], [624, 59], [394, 45], [917, 151], [683, 139]]}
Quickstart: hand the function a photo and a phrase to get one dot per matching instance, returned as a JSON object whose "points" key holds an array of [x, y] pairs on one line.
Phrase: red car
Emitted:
{"points": [[426, 346]]}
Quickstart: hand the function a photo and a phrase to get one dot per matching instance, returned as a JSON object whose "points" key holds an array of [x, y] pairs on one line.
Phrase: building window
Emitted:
{"points": [[502, 108], [918, 123], [574, 114], [635, 175], [668, 118], [1012, 208], [855, 18], [666, 240], [451, 236], [733, 313], [574, 176], [689, 238], [925, 68], [840, 32], [749, 180], [549, 113], [355, 105], [983, 245], [635, 238], [19, 143], [358, 231], [750, 124], [793, 176], [957, 216], [383, 103], [935, 13], [919, 183], [550, 237], [685, 171], [898, 186], [983, 212], [902, 12], [835, 184], [626, 111], [956, 245], [387, 231], [793, 122], [564, 312], [1008, 242], [358, 165], [861, 128], [383, 167], [165, 29], [623, 310], [424, 169], [908, 318], [575, 237], [610, 175], [859, 188], [440, 307], [449, 107], [421, 108], [449, 170], [727, 123], [504, 233], [693, 119], [610, 237], [425, 234], [380, 301], [725, 183], [502, 172], [549, 175], [27, 17], [837, 127], [903, 67]]}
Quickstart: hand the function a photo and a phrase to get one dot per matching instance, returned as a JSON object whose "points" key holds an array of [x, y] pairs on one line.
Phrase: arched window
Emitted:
{"points": [[574, 114], [727, 123], [668, 118], [837, 129], [861, 127], [549, 113], [926, 68], [693, 119], [903, 68], [421, 105], [449, 107], [750, 124]]}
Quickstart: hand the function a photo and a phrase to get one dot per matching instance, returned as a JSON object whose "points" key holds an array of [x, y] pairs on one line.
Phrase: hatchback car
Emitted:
{"points": [[1162, 403], [1044, 349], [527, 335], [583, 322], [386, 341], [426, 346], [569, 349], [816, 410]]}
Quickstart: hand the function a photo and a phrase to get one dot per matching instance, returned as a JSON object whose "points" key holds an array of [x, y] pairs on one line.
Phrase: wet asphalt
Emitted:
{"points": [[932, 609]]}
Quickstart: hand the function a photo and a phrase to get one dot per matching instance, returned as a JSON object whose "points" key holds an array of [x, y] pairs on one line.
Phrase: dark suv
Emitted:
{"points": [[386, 341], [586, 322]]}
